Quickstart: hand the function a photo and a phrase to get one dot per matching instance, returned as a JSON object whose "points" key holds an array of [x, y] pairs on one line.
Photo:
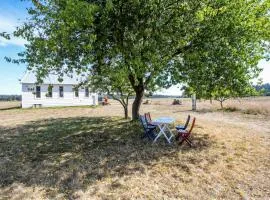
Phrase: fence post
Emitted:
{"points": [[194, 102]]}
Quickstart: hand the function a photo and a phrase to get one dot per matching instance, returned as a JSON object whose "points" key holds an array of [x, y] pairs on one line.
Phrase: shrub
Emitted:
{"points": [[177, 102], [231, 109], [147, 101]]}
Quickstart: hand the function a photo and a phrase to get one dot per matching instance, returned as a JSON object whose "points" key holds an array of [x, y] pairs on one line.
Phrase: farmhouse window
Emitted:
{"points": [[37, 91], [61, 91], [86, 92]]}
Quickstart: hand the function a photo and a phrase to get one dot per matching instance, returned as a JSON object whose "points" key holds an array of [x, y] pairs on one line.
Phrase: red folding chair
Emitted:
{"points": [[183, 135]]}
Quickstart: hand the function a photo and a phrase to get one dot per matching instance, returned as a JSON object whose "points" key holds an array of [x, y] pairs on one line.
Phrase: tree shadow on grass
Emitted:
{"points": [[71, 154]]}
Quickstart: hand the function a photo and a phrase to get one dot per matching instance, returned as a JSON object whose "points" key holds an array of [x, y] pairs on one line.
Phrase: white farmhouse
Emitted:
{"points": [[54, 93]]}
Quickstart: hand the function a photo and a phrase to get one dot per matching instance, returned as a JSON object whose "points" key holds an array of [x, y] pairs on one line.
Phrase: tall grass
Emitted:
{"points": [[253, 106]]}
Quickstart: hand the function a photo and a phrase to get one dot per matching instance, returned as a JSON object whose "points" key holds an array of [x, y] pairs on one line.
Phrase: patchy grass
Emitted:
{"points": [[69, 155], [82, 153]]}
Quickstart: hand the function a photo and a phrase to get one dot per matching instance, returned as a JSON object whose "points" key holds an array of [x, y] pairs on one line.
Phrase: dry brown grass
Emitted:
{"points": [[91, 153], [5, 105], [249, 105]]}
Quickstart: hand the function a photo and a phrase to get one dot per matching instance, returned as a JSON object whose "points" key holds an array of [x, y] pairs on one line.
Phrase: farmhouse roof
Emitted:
{"points": [[30, 77]]}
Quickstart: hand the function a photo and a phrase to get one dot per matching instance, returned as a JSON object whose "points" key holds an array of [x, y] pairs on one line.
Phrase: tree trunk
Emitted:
{"points": [[221, 104], [123, 103], [137, 103], [126, 111], [139, 91]]}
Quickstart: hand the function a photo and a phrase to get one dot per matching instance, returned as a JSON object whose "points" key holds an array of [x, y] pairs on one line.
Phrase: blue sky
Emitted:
{"points": [[12, 13]]}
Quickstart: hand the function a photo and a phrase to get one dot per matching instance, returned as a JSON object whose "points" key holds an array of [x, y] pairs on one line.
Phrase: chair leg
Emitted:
{"points": [[143, 136], [146, 135], [181, 142], [187, 141], [177, 137]]}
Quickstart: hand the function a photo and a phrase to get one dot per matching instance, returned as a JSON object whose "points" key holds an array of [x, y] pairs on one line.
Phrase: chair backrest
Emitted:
{"points": [[188, 119], [192, 125], [143, 121], [148, 118]]}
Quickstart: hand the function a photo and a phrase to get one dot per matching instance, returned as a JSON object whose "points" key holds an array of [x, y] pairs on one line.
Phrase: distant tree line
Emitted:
{"points": [[10, 97], [264, 89]]}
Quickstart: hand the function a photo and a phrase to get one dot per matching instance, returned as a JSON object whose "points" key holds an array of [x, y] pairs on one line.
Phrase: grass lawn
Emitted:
{"points": [[92, 153]]}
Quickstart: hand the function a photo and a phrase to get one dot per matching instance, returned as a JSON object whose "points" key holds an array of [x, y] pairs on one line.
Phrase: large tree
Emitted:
{"points": [[156, 42]]}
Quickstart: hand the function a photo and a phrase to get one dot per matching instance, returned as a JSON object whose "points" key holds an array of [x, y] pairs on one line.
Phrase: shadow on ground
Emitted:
{"points": [[71, 154], [11, 108]]}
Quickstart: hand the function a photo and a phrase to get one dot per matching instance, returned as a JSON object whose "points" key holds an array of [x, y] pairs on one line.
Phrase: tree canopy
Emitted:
{"points": [[152, 42]]}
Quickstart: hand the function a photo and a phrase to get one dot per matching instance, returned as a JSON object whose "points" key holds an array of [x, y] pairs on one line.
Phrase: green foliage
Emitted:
{"points": [[49, 92], [221, 92], [206, 44]]}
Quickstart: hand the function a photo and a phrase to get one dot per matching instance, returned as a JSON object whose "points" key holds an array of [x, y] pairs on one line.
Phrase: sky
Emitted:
{"points": [[12, 14]]}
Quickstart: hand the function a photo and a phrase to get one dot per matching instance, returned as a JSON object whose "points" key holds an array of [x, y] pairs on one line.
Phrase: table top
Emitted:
{"points": [[163, 120]]}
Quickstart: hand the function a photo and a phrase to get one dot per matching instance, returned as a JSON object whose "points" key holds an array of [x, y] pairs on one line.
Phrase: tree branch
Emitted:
{"points": [[148, 79], [38, 4], [183, 49]]}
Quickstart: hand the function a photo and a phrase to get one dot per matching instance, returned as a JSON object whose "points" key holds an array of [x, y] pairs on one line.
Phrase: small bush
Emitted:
{"points": [[147, 102], [231, 109], [177, 102]]}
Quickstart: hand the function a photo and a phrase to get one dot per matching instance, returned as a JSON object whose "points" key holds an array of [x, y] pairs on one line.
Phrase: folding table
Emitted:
{"points": [[163, 124]]}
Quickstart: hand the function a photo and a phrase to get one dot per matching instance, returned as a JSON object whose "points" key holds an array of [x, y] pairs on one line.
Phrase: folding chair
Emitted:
{"points": [[148, 118], [149, 130], [183, 135], [181, 127]]}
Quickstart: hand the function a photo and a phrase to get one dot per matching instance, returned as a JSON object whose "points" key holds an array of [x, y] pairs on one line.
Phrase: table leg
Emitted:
{"points": [[164, 132], [170, 134], [159, 134], [162, 128]]}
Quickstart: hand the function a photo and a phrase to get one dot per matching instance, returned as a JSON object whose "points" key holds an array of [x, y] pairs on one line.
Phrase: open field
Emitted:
{"points": [[249, 105], [92, 153], [6, 105]]}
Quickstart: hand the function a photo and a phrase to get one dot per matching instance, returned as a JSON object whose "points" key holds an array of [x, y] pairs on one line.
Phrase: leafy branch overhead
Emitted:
{"points": [[149, 43]]}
